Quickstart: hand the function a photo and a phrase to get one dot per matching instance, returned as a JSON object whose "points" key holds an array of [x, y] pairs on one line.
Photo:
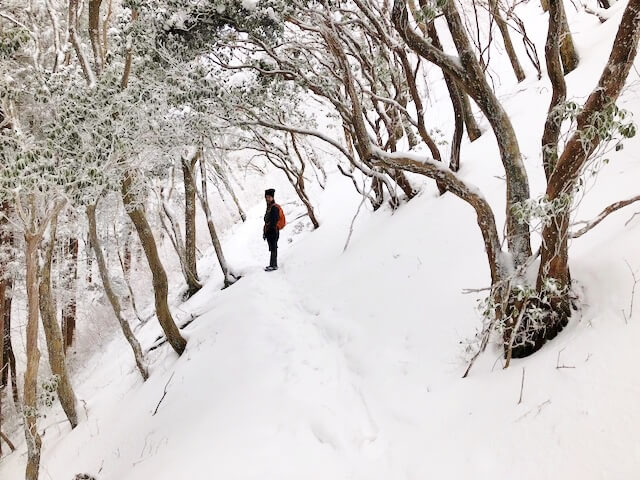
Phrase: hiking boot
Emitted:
{"points": [[270, 268]]}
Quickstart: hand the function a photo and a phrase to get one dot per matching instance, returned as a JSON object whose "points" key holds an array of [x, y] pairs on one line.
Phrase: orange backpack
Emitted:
{"points": [[282, 221]]}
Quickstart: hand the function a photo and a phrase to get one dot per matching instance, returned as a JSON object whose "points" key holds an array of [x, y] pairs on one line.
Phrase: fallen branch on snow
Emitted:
{"points": [[164, 394]]}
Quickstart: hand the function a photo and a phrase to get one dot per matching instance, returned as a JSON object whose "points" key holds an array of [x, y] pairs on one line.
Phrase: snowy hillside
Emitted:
{"points": [[349, 364]]}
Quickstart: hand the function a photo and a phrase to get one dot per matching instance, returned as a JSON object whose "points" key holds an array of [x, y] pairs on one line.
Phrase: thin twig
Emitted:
{"points": [[521, 387], [632, 217], [467, 291], [604, 214], [353, 221], [558, 366], [163, 395], [633, 293]]}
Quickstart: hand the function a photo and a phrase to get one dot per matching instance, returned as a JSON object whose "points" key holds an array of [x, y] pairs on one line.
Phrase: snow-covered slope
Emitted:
{"points": [[348, 365]]}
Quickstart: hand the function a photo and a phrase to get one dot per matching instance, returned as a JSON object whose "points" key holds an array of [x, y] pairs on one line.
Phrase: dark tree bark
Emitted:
{"points": [[188, 164], [9, 374], [69, 310], [160, 284], [94, 34]]}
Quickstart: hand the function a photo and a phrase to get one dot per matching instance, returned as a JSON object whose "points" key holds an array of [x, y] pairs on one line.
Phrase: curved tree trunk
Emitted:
{"points": [[160, 283], [111, 294], [562, 178], [53, 334], [470, 76]]}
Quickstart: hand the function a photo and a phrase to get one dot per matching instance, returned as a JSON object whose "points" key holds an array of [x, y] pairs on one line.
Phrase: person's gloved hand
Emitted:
{"points": [[264, 236]]}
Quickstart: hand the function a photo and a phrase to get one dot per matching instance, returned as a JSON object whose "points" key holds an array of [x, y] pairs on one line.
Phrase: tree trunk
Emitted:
{"points": [[160, 284], [125, 265], [77, 45], [89, 262], [506, 37], [227, 185], [111, 295], [459, 99], [554, 262], [5, 332], [7, 441], [3, 287], [568, 52], [69, 310], [175, 235], [53, 334], [577, 151], [553, 124], [94, 34], [470, 76], [456, 101], [299, 185], [193, 283], [229, 278], [9, 360], [473, 130], [4, 365], [34, 442]]}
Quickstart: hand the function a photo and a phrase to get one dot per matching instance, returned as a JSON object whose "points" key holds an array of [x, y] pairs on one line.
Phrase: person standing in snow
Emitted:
{"points": [[270, 232]]}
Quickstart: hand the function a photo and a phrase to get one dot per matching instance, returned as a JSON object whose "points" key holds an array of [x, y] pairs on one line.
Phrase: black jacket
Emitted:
{"points": [[271, 217]]}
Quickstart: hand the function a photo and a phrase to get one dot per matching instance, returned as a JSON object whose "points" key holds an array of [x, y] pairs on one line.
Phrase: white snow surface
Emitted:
{"points": [[348, 365]]}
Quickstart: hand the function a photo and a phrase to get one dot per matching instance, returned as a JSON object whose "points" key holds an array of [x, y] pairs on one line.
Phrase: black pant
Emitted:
{"points": [[272, 240]]}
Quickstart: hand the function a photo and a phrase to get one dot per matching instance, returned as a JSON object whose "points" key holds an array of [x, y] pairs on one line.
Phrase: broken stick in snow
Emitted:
{"points": [[163, 395]]}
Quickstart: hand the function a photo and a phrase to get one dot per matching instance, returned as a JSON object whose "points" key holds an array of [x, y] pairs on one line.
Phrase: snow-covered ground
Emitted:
{"points": [[348, 365]]}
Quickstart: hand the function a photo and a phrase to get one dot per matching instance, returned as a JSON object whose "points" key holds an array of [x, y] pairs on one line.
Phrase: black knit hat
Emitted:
{"points": [[271, 192]]}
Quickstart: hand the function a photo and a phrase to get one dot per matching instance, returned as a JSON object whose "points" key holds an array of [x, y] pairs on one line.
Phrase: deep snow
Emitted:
{"points": [[348, 365]]}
